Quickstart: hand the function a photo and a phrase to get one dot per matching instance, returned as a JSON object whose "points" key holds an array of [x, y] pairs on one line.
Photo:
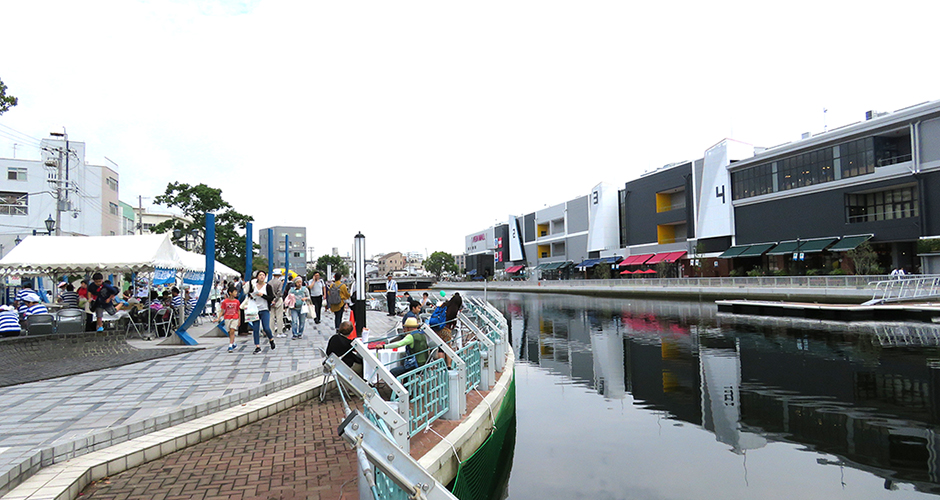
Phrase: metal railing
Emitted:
{"points": [[859, 282], [905, 288], [429, 399], [894, 160], [470, 353]]}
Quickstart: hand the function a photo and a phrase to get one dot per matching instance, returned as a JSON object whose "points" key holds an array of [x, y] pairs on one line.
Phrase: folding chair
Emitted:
{"points": [[70, 320], [40, 324]]}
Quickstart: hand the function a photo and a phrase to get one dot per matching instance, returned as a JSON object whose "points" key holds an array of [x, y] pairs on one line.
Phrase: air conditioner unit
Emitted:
{"points": [[51, 162]]}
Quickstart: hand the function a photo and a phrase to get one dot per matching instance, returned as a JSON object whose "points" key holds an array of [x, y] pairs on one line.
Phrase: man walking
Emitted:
{"points": [[336, 298], [391, 290]]}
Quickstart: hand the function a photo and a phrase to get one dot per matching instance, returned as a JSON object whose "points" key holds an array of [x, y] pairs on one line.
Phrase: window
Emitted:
{"points": [[14, 203], [16, 174], [114, 209], [112, 183], [147, 226], [898, 203]]}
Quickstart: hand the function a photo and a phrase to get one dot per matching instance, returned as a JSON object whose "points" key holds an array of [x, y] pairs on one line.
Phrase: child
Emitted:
{"points": [[229, 312]]}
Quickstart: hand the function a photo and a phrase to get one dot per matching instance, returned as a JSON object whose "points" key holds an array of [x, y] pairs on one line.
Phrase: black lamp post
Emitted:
{"points": [[18, 240], [50, 225]]}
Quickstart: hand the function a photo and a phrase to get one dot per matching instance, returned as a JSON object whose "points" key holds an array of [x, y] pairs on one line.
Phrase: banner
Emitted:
{"points": [[164, 276], [194, 278]]}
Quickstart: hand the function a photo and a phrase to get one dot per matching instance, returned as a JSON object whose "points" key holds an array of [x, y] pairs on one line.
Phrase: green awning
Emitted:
{"points": [[733, 252], [566, 264], [551, 266], [783, 248], [541, 267], [756, 250], [849, 243], [811, 246]]}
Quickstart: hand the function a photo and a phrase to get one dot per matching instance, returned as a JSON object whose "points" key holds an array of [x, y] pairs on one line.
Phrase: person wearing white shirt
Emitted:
{"points": [[316, 295], [391, 290]]}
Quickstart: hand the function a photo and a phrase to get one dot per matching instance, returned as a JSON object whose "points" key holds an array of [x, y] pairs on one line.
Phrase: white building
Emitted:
{"points": [[89, 205]]}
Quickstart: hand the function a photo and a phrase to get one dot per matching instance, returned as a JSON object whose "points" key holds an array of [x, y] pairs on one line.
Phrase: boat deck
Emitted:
{"points": [[910, 311]]}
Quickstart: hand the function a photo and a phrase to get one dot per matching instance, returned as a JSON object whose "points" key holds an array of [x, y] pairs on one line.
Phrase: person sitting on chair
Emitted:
{"points": [[416, 348], [340, 344], [9, 322], [33, 306]]}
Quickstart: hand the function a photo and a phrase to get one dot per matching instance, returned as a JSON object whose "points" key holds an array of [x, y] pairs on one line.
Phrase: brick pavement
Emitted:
{"points": [[295, 454], [49, 421], [35, 358]]}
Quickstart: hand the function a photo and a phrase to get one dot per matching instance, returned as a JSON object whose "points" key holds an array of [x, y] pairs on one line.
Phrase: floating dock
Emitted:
{"points": [[920, 311]]}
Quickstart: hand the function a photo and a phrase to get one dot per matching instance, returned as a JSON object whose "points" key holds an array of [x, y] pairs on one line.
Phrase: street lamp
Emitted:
{"points": [[18, 240], [50, 225]]}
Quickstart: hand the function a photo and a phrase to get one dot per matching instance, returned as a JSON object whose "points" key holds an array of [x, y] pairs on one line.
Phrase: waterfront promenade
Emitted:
{"points": [[832, 289], [51, 421]]}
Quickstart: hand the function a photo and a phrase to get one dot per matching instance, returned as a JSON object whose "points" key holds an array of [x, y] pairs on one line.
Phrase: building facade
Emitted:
{"points": [[390, 263], [28, 194], [291, 257]]}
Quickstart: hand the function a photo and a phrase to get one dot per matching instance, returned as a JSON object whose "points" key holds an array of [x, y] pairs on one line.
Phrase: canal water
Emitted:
{"points": [[636, 399]]}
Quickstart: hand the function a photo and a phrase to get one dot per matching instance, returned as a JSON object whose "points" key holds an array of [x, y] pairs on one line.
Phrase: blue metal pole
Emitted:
{"points": [[248, 251], [207, 279], [270, 252], [286, 261]]}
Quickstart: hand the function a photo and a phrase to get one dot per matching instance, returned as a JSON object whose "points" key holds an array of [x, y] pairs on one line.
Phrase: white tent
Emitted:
{"points": [[195, 262], [79, 254]]}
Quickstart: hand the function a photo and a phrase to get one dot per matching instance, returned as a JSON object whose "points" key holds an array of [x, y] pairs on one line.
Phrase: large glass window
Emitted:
{"points": [[14, 203], [897, 203], [857, 157]]}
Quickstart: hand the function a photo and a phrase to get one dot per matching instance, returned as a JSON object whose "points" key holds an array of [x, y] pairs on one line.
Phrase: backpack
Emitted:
{"points": [[438, 318], [332, 296]]}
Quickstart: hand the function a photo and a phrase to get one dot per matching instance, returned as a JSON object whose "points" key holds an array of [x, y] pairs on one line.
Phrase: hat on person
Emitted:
{"points": [[62, 284], [412, 322], [7, 308], [31, 297], [277, 272]]}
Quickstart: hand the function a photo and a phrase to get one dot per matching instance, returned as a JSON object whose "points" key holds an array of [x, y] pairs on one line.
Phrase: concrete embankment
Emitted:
{"points": [[669, 290]]}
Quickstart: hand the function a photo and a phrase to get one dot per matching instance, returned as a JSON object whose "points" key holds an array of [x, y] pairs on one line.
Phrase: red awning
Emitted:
{"points": [[626, 271], [635, 260], [657, 258], [673, 256], [514, 269]]}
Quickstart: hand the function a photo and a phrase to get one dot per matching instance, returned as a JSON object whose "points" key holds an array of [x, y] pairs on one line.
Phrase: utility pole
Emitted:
{"points": [[62, 171], [140, 213]]}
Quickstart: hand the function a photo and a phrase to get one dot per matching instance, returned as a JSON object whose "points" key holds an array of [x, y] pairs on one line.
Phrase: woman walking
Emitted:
{"points": [[301, 300], [258, 298]]}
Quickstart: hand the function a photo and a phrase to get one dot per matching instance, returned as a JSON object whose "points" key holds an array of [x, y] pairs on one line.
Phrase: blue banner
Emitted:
{"points": [[194, 278], [164, 276]]}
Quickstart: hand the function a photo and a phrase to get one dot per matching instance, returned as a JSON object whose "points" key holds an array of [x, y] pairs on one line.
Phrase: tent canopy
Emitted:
{"points": [[111, 254]]}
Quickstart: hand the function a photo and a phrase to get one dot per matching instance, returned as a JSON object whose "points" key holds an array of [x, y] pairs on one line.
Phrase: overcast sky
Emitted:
{"points": [[418, 123]]}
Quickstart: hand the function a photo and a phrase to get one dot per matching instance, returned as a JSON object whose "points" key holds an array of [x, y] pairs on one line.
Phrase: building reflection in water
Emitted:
{"points": [[865, 392]]}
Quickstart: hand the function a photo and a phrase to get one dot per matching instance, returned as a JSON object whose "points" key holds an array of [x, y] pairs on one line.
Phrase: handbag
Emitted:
{"points": [[304, 309]]}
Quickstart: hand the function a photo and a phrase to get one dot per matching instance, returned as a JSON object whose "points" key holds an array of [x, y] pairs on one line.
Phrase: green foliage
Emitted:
{"points": [[439, 263], [756, 271], [813, 272], [734, 273], [602, 271], [6, 101], [194, 202], [865, 259], [928, 246], [779, 272], [837, 272], [334, 260]]}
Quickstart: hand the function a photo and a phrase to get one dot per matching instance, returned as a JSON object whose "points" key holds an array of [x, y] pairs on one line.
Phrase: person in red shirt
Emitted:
{"points": [[83, 290], [228, 312]]}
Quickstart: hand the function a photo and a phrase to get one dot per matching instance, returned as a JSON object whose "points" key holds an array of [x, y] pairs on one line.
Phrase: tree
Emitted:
{"points": [[6, 101], [439, 263], [865, 259], [333, 260], [195, 201]]}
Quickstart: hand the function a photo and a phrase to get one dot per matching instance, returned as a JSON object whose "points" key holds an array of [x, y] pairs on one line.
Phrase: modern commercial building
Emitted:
{"points": [[296, 254], [797, 208]]}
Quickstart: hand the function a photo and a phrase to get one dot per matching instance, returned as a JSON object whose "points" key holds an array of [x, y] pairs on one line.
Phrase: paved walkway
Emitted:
{"points": [[294, 454], [49, 421]]}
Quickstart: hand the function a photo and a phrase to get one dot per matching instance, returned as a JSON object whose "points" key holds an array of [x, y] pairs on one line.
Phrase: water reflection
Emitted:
{"points": [[861, 398]]}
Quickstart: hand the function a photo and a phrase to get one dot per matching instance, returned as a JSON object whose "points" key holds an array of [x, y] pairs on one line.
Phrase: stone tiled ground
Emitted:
{"points": [[295, 454]]}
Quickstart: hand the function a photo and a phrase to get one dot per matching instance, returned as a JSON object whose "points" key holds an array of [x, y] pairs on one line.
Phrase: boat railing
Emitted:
{"points": [[436, 390], [471, 355], [902, 288]]}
